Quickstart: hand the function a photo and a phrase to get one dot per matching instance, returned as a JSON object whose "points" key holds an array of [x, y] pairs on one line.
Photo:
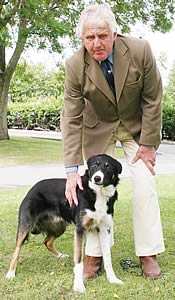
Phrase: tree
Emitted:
{"points": [[157, 14], [170, 89], [31, 82], [25, 23]]}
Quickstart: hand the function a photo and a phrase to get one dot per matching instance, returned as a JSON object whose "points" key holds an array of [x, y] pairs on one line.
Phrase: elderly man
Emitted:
{"points": [[113, 93]]}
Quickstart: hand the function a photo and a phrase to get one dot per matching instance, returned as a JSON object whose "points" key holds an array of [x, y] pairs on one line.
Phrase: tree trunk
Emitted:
{"points": [[3, 118], [3, 98], [6, 74]]}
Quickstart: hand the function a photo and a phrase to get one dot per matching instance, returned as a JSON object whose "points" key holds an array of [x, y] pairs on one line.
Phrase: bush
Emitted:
{"points": [[168, 130], [45, 114], [41, 114]]}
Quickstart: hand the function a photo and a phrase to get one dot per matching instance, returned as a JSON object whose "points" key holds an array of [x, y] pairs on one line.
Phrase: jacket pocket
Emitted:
{"points": [[134, 84], [90, 118]]}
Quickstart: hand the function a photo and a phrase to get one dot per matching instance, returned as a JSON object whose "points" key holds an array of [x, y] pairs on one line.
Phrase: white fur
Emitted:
{"points": [[78, 278], [10, 275], [98, 173], [102, 196], [62, 255], [104, 222]]}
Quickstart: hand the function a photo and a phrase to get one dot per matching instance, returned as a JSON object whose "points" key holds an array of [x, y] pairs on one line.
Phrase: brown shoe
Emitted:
{"points": [[92, 267], [150, 267]]}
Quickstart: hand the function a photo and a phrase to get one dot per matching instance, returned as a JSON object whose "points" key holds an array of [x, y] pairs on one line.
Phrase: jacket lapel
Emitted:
{"points": [[121, 65], [94, 72]]}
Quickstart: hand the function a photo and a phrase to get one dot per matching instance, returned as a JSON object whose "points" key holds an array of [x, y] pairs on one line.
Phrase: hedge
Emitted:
{"points": [[42, 114], [168, 129]]}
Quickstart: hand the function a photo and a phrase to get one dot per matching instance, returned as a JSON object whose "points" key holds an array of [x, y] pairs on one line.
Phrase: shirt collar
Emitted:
{"points": [[110, 58]]}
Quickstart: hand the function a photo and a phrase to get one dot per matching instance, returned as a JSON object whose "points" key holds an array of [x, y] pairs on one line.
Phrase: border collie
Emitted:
{"points": [[46, 210]]}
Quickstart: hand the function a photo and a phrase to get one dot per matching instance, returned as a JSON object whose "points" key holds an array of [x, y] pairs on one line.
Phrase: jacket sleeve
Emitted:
{"points": [[151, 101], [72, 119]]}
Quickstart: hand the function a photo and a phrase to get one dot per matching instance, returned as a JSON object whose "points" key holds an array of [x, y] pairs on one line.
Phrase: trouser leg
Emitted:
{"points": [[147, 227]]}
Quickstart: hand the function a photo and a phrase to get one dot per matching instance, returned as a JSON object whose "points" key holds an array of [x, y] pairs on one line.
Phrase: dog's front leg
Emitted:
{"points": [[78, 261], [105, 241]]}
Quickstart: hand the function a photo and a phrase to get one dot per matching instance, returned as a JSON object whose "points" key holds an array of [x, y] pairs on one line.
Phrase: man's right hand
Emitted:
{"points": [[73, 180]]}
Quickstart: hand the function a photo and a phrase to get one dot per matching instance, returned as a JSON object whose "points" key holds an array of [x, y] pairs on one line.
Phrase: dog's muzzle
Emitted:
{"points": [[97, 178]]}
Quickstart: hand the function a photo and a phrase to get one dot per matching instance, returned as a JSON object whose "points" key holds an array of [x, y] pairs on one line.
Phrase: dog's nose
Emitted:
{"points": [[97, 179]]}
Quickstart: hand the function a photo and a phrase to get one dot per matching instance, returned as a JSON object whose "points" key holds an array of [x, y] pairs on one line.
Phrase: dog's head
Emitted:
{"points": [[103, 170]]}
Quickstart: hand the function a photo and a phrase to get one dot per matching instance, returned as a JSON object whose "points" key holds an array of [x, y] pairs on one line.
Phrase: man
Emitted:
{"points": [[99, 110]]}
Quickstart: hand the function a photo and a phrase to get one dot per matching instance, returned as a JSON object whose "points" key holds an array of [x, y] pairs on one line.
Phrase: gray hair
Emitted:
{"points": [[100, 15]]}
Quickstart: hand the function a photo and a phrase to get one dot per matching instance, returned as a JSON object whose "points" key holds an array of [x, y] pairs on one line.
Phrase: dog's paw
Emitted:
{"points": [[79, 287], [62, 255], [114, 279], [10, 275]]}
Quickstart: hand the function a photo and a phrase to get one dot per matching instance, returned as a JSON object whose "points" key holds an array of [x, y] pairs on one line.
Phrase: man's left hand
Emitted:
{"points": [[148, 155]]}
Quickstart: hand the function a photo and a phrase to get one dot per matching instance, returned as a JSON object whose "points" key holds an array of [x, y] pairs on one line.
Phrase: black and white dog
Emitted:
{"points": [[46, 210]]}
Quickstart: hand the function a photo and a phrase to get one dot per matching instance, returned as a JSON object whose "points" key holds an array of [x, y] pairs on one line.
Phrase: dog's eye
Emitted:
{"points": [[106, 164], [97, 163], [94, 166]]}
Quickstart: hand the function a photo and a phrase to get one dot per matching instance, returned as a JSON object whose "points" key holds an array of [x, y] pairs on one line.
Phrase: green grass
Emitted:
{"points": [[20, 151], [42, 276]]}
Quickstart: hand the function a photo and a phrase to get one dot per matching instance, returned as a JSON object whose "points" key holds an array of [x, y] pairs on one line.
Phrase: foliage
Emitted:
{"points": [[34, 81], [43, 114], [168, 130], [170, 89], [43, 21], [157, 14], [29, 23], [42, 276]]}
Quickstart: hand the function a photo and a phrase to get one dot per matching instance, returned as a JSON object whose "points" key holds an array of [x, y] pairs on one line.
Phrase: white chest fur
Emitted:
{"points": [[102, 197]]}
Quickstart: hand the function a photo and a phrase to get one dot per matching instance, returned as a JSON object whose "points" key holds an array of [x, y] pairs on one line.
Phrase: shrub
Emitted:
{"points": [[41, 114], [168, 129], [44, 114]]}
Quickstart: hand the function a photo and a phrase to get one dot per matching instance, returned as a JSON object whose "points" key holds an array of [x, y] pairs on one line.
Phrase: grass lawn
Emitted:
{"points": [[42, 276], [20, 151]]}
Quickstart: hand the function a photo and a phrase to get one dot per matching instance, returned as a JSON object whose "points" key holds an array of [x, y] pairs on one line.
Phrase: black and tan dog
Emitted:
{"points": [[46, 210]]}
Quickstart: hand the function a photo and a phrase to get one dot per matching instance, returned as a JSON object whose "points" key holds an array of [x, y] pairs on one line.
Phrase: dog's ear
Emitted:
{"points": [[85, 178], [86, 174], [118, 167], [90, 160]]}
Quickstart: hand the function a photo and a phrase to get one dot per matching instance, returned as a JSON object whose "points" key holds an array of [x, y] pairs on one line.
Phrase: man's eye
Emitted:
{"points": [[90, 38], [103, 36]]}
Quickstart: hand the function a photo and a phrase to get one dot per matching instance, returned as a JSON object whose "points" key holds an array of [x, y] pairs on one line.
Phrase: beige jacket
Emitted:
{"points": [[91, 112]]}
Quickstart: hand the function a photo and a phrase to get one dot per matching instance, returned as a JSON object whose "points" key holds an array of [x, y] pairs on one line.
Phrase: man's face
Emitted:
{"points": [[98, 41]]}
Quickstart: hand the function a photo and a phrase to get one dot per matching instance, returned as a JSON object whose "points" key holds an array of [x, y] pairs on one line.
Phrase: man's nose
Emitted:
{"points": [[97, 42]]}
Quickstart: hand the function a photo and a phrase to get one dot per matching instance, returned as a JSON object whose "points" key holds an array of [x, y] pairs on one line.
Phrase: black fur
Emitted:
{"points": [[46, 210]]}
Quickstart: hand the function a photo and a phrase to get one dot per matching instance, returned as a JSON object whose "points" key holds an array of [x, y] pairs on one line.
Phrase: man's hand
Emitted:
{"points": [[73, 179], [148, 155]]}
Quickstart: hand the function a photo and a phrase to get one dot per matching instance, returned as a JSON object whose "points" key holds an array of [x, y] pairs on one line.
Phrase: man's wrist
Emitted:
{"points": [[73, 169], [148, 146]]}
